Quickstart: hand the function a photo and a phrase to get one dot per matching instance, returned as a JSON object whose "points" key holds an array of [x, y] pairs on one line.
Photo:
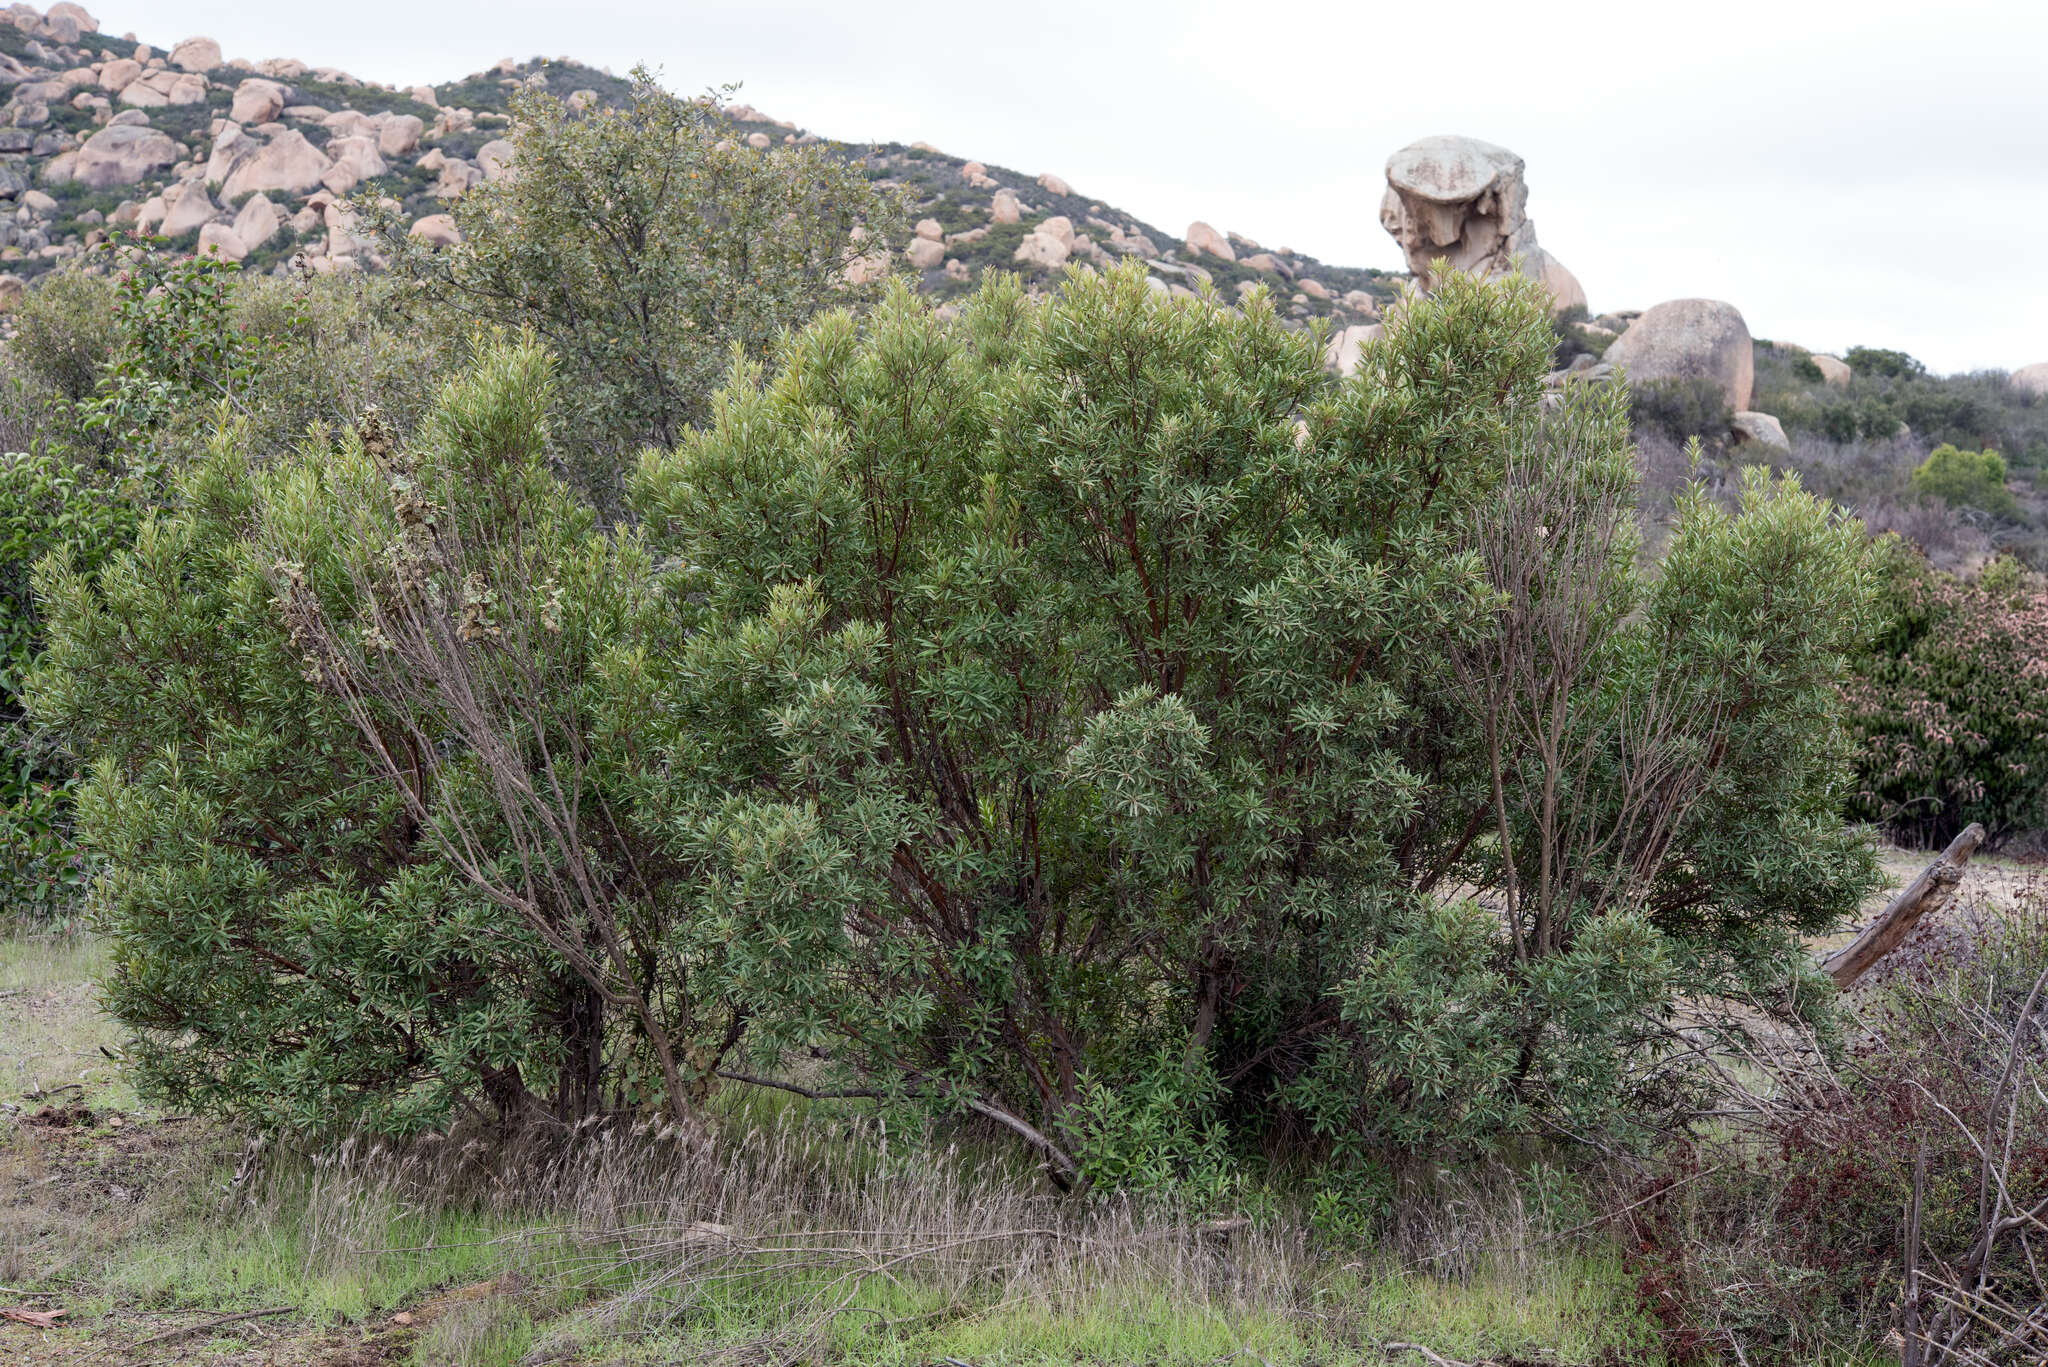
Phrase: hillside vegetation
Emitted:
{"points": [[656, 771]]}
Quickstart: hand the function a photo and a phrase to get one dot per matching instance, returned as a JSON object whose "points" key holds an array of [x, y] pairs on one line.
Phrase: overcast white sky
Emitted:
{"points": [[1857, 172]]}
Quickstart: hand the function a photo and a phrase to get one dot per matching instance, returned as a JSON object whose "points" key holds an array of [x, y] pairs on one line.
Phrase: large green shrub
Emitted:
{"points": [[110, 385], [283, 944], [1083, 714], [46, 504], [1682, 408], [1966, 479], [1951, 706]]}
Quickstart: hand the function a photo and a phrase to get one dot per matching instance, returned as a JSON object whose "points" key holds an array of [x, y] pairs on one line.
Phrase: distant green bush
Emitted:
{"points": [[1893, 365], [1890, 393], [1681, 408], [1966, 479], [644, 244], [1574, 339]]}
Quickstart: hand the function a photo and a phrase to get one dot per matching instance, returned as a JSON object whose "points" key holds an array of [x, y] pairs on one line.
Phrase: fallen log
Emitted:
{"points": [[1929, 892]]}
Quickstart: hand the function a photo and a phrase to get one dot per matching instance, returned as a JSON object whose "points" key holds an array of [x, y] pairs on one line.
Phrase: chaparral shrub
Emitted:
{"points": [[1951, 706], [1966, 479], [46, 503], [1084, 714], [643, 244]]}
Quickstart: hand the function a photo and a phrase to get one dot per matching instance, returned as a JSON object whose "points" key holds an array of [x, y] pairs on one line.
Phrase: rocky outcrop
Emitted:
{"points": [[1042, 248], [123, 154], [355, 159], [219, 239], [1566, 293], [2032, 379], [1834, 371], [1759, 429], [1201, 238], [257, 221], [399, 135], [437, 230], [288, 164], [456, 176], [119, 74], [192, 208], [494, 159], [231, 147], [1463, 202], [1690, 339], [155, 89], [1345, 345], [196, 54], [258, 101]]}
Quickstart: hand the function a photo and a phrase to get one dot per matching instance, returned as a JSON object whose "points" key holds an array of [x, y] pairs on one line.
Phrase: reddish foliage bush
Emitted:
{"points": [[1787, 1237], [1951, 705]]}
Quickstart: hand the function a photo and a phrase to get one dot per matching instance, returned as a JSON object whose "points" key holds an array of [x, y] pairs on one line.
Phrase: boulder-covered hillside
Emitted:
{"points": [[250, 158]]}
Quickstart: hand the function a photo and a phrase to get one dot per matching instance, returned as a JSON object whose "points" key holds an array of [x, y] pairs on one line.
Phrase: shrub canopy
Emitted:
{"points": [[1966, 479], [1083, 713], [1951, 704], [644, 245]]}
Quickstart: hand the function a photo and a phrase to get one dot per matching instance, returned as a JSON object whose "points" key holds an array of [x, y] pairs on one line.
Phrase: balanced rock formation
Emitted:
{"points": [[2032, 379], [1463, 201], [1690, 339]]}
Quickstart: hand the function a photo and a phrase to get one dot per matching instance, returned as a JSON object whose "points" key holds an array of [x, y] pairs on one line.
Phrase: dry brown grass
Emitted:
{"points": [[798, 1229]]}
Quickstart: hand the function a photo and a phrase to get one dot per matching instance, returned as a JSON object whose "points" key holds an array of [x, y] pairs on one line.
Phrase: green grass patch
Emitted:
{"points": [[52, 1031]]}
